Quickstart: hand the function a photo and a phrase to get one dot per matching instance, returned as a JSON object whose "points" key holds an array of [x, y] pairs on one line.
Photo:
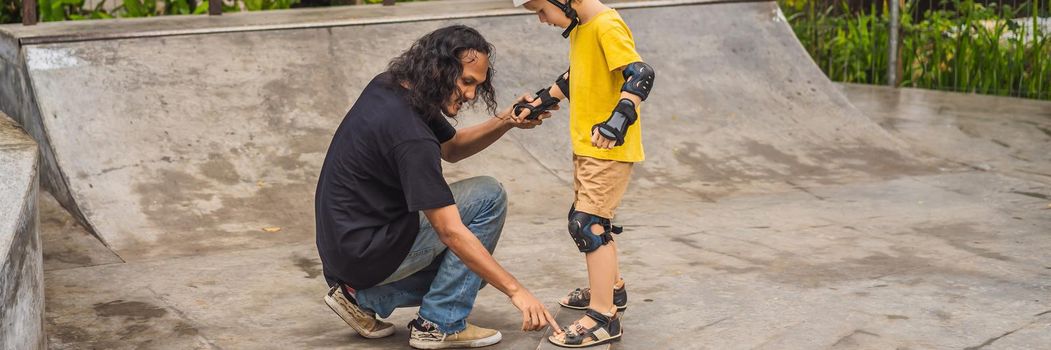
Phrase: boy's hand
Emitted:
{"points": [[519, 120], [600, 141], [612, 132], [534, 315]]}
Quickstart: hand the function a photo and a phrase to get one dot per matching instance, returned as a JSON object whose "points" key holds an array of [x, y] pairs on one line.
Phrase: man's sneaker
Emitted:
{"points": [[580, 298], [425, 335], [361, 320]]}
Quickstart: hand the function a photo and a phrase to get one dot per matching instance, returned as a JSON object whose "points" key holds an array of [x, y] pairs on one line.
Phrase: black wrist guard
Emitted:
{"points": [[616, 127], [546, 101]]}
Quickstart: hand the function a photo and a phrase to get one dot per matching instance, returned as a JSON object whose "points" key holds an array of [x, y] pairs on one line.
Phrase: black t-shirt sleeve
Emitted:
{"points": [[442, 129], [419, 167]]}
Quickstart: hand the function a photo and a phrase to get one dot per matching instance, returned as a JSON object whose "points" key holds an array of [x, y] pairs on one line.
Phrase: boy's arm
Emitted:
{"points": [[546, 99], [638, 81]]}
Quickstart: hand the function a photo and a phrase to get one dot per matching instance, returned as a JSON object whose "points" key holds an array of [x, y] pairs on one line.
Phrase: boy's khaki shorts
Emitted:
{"points": [[599, 184]]}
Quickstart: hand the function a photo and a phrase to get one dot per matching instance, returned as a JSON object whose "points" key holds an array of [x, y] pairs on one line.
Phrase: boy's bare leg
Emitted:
{"points": [[616, 265], [601, 277], [603, 272]]}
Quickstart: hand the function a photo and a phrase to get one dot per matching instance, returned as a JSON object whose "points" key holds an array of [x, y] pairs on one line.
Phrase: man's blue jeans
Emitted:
{"points": [[435, 279]]}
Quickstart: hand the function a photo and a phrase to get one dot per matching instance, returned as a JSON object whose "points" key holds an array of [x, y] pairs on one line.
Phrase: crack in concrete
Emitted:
{"points": [[848, 336], [701, 328], [1033, 194], [805, 190], [1032, 172], [990, 341]]}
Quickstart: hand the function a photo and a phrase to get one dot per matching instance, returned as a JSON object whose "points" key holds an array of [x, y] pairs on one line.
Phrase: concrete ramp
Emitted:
{"points": [[178, 141]]}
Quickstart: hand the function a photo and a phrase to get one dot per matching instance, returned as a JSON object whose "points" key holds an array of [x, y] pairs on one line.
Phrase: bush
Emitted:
{"points": [[63, 10], [11, 11], [959, 46]]}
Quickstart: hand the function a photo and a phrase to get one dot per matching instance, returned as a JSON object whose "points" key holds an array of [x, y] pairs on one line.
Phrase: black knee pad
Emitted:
{"points": [[580, 230]]}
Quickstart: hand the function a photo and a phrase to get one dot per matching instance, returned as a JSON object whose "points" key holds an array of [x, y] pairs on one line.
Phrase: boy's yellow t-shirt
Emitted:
{"points": [[596, 50]]}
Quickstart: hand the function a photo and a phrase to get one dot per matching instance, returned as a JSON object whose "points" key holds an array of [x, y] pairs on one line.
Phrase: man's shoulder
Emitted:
{"points": [[384, 111], [383, 98], [382, 89]]}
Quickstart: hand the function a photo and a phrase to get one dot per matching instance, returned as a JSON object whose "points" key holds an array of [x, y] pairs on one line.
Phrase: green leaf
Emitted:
{"points": [[253, 5], [135, 8], [202, 8]]}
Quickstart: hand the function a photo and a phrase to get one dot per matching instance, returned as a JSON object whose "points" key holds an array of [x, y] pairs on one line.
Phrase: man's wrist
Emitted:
{"points": [[513, 289], [504, 121]]}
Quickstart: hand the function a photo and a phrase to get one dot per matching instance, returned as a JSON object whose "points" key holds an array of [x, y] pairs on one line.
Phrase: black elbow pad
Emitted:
{"points": [[563, 83], [638, 79]]}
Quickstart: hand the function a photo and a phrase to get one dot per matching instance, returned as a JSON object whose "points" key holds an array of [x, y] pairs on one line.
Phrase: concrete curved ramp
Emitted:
{"points": [[172, 145]]}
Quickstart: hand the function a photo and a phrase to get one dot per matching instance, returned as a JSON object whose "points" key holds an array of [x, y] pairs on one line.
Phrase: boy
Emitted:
{"points": [[608, 81]]}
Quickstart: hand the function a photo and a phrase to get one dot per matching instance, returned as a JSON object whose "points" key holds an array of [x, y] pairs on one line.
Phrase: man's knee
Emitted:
{"points": [[490, 189], [490, 199], [488, 192]]}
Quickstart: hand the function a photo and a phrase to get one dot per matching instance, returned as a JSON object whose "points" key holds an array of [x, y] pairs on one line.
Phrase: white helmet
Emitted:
{"points": [[565, 7]]}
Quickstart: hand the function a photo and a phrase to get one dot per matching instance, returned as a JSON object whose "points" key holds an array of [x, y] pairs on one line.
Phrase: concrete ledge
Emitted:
{"points": [[21, 261], [327, 17]]}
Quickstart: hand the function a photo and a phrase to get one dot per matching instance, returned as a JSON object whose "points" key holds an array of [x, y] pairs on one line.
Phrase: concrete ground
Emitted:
{"points": [[770, 212], [954, 259]]}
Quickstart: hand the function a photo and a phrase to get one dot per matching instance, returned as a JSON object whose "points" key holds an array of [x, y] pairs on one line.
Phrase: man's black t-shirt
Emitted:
{"points": [[383, 166]]}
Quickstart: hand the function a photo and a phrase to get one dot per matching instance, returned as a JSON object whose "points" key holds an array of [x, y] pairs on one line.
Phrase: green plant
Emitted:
{"points": [[61, 10], [11, 11], [257, 5], [970, 48]]}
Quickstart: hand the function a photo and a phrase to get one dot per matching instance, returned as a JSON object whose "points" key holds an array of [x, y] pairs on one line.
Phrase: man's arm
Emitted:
{"points": [[471, 140], [451, 231]]}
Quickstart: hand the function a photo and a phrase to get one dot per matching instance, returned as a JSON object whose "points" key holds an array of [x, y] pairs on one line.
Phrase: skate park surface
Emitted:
{"points": [[775, 210]]}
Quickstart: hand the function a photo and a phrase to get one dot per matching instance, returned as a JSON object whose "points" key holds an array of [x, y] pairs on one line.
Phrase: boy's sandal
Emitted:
{"points": [[577, 299], [580, 299], [607, 329]]}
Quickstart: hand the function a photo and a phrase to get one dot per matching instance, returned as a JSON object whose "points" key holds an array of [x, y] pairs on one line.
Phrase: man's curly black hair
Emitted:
{"points": [[433, 65]]}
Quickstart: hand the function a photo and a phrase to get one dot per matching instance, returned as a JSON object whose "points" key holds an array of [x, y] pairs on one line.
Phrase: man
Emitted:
{"points": [[383, 169]]}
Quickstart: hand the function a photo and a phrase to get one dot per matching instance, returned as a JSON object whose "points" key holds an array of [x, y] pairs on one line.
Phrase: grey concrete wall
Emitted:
{"points": [[21, 261]]}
